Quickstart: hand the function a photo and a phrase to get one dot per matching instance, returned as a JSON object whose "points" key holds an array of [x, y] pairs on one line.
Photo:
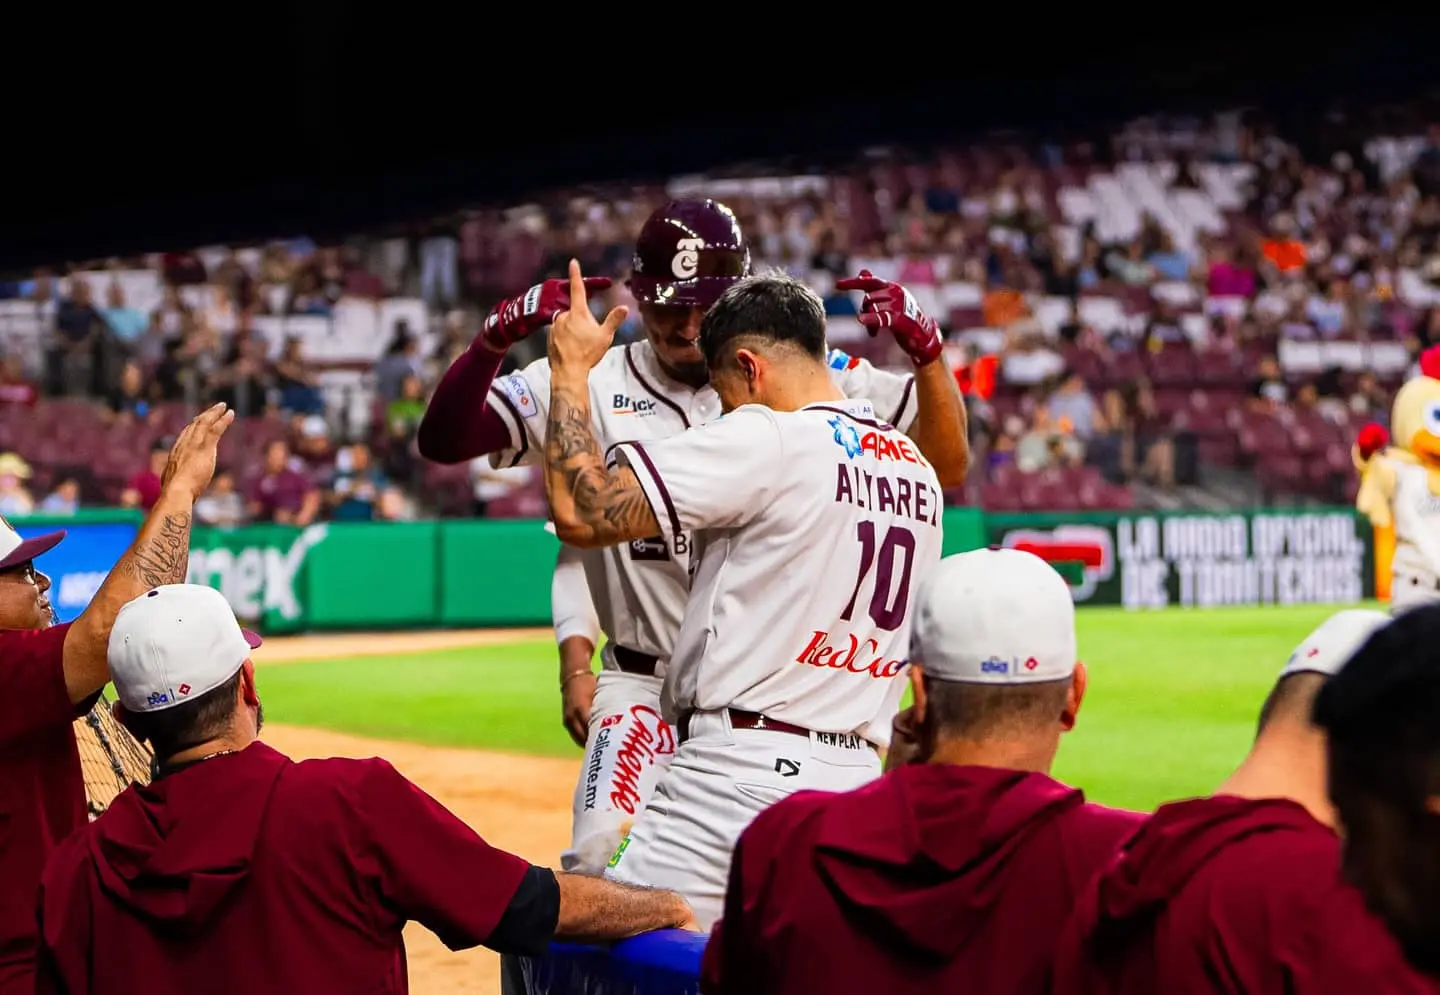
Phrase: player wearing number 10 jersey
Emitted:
{"points": [[813, 522]]}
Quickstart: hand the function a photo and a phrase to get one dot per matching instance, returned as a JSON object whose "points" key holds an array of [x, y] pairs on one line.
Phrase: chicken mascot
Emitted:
{"points": [[1400, 490]]}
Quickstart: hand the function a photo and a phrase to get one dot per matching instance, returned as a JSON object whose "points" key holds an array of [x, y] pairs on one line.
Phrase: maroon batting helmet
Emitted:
{"points": [[689, 252]]}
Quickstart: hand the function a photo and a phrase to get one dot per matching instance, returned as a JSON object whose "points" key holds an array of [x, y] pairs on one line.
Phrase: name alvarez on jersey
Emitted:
{"points": [[908, 497]]}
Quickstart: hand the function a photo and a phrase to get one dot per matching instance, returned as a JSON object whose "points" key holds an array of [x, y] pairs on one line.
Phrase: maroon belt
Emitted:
{"points": [[635, 662], [748, 720]]}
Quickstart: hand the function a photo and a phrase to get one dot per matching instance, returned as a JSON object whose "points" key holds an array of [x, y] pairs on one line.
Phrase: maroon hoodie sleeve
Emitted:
{"points": [[461, 421], [431, 867], [32, 682]]}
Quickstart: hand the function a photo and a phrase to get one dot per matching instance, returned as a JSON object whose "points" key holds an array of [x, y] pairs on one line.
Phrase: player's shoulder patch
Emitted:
{"points": [[517, 390], [841, 360]]}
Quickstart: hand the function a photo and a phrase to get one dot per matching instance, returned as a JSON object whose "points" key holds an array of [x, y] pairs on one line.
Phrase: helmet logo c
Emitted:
{"points": [[687, 257]]}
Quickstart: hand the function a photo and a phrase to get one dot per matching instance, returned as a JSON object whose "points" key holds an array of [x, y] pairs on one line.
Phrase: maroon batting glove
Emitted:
{"points": [[518, 317], [889, 305]]}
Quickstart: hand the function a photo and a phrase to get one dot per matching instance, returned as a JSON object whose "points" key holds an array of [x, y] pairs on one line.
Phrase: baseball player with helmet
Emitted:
{"points": [[687, 254], [812, 522]]}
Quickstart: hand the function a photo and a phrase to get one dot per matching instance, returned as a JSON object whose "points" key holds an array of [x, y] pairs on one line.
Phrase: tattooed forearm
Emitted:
{"points": [[591, 504], [160, 555], [165, 557]]}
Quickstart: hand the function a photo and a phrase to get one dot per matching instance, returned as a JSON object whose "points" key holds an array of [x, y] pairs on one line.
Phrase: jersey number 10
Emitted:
{"points": [[887, 612]]}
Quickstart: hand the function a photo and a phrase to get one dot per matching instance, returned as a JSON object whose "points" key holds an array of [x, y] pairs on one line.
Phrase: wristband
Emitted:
{"points": [[574, 674]]}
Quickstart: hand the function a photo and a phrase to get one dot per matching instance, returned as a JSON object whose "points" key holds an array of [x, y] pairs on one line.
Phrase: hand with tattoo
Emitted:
{"points": [[577, 340], [192, 458], [590, 504]]}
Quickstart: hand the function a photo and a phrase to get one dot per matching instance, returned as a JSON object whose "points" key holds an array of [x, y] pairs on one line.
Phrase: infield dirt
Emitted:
{"points": [[520, 804]]}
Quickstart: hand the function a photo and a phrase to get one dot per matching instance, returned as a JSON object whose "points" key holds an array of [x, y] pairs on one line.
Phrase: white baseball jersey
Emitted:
{"points": [[640, 589], [1417, 521], [812, 530]]}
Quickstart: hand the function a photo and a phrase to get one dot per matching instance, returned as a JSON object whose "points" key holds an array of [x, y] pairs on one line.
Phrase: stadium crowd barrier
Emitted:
{"points": [[492, 573]]}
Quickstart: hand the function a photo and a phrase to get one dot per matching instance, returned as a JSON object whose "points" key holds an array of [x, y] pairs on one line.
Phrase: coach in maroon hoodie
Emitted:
{"points": [[954, 871], [240, 871], [1241, 892]]}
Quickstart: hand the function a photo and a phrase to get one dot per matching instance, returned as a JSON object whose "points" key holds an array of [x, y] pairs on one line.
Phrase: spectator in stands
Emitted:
{"points": [[1073, 402], [172, 316], [403, 414], [956, 870], [1028, 360], [282, 494], [297, 381], [128, 402], [1150, 448], [440, 264], [401, 360], [1129, 265], [16, 390], [305, 294], [221, 505], [235, 279], [126, 323], [829, 257], [77, 357], [1225, 277], [1332, 313], [1049, 442], [332, 274], [1164, 330], [64, 499], [402, 421], [1369, 401], [182, 269], [277, 267], [1282, 250], [15, 497], [1268, 389], [313, 452], [221, 310], [1167, 261], [1242, 891], [356, 487], [243, 381], [142, 490]]}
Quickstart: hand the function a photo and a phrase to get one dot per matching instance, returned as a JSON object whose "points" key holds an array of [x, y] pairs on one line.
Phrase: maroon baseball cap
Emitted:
{"points": [[14, 550]]}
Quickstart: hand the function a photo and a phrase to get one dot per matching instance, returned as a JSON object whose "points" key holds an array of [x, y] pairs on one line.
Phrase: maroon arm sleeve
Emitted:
{"points": [[431, 867], [459, 424], [32, 682]]}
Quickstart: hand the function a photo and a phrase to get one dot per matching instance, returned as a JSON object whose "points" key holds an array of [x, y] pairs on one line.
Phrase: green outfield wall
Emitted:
{"points": [[470, 574]]}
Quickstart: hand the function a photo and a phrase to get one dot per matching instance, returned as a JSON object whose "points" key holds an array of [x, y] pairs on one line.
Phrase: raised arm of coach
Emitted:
{"points": [[51, 674]]}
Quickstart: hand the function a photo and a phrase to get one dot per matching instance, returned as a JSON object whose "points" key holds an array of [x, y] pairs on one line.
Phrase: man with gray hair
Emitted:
{"points": [[813, 523], [956, 870]]}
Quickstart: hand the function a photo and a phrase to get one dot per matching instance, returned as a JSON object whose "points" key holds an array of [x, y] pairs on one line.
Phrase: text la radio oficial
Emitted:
{"points": [[849, 653]]}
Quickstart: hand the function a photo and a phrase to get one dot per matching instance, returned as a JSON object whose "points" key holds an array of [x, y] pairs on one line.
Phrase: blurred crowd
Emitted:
{"points": [[1097, 326]]}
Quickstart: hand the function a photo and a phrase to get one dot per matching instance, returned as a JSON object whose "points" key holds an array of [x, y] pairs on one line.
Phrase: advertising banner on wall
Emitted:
{"points": [[93, 543], [1163, 560]]}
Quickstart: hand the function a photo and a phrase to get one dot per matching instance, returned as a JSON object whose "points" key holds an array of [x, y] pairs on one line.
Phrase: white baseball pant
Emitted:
{"points": [[627, 749], [719, 780], [1412, 589]]}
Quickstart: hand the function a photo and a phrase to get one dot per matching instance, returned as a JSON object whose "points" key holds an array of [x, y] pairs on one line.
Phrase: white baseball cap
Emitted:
{"points": [[1334, 642], [995, 616], [174, 643]]}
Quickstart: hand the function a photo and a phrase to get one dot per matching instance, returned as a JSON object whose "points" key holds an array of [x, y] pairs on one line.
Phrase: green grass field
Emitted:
{"points": [[1171, 706]]}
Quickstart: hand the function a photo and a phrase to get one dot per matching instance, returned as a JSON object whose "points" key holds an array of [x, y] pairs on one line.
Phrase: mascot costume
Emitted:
{"points": [[1400, 490]]}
